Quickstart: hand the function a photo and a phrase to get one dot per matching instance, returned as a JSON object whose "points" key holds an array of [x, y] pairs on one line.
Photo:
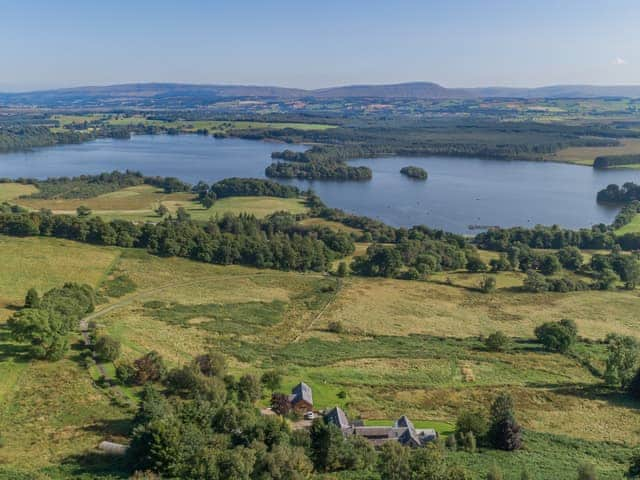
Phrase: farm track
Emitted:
{"points": [[84, 323]]}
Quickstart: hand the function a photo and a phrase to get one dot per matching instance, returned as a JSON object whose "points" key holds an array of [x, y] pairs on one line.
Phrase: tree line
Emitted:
{"points": [[608, 161], [88, 186], [45, 323], [275, 242], [243, 187], [613, 193]]}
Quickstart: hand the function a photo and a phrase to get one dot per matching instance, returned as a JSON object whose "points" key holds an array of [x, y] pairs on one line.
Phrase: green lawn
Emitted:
{"points": [[632, 227]]}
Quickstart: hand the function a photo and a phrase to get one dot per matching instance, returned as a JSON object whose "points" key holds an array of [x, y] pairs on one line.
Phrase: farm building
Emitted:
{"points": [[402, 430], [301, 398]]}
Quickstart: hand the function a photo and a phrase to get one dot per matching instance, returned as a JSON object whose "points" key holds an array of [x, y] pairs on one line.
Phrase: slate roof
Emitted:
{"points": [[300, 392], [337, 417], [402, 430], [404, 422]]}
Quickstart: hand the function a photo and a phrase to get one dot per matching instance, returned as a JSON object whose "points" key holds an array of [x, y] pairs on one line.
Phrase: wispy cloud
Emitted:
{"points": [[619, 61]]}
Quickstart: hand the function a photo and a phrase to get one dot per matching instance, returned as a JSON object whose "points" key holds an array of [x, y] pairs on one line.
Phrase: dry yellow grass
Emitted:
{"points": [[586, 155], [45, 263], [140, 198], [569, 411], [139, 204], [393, 307], [11, 191], [315, 221], [53, 412]]}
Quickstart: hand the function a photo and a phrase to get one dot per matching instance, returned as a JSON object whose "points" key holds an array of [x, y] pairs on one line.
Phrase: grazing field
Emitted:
{"points": [[586, 155], [141, 202], [404, 348], [216, 125], [44, 263], [632, 227], [10, 191], [391, 307]]}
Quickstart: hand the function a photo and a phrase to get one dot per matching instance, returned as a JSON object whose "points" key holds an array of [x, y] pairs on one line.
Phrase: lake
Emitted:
{"points": [[458, 193]]}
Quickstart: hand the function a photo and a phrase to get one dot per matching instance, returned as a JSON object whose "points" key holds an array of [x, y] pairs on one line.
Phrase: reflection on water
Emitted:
{"points": [[459, 192]]}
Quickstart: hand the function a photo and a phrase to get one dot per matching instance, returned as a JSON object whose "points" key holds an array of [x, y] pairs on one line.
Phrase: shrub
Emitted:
{"points": [[487, 284], [557, 336], [149, 368], [342, 270], [535, 282], [472, 421], [451, 443], [470, 442], [271, 380], [249, 389], [125, 373], [475, 264], [32, 300], [549, 264], [107, 348], [496, 342], [336, 326]]}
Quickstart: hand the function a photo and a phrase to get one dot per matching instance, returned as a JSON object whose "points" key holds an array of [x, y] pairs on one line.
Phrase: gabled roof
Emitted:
{"points": [[301, 392], [410, 438], [337, 417], [404, 422]]}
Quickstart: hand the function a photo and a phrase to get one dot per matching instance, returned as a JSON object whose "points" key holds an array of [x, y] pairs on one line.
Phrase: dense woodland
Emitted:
{"points": [[608, 161], [88, 186], [414, 172], [275, 242], [626, 193], [514, 141]]}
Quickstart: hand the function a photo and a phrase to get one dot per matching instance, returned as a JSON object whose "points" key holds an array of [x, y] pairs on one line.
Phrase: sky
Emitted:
{"points": [[313, 44]]}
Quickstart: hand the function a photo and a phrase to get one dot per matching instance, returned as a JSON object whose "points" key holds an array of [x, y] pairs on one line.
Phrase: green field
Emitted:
{"points": [[409, 348], [632, 227], [139, 203], [216, 125], [586, 155]]}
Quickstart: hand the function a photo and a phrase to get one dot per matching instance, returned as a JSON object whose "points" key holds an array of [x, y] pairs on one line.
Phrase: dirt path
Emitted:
{"points": [[321, 312], [84, 323]]}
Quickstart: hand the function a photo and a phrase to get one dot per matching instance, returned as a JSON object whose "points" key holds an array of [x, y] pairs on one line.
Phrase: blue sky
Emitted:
{"points": [[316, 44]]}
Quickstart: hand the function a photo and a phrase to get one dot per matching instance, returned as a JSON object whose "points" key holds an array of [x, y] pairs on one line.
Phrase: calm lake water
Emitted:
{"points": [[459, 192]]}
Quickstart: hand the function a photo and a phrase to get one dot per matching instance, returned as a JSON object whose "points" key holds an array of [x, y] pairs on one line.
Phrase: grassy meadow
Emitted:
{"points": [[586, 155], [140, 203], [406, 347]]}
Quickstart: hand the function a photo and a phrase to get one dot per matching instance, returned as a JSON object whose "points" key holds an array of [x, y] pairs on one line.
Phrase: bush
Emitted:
{"points": [[342, 270], [474, 421], [475, 264], [336, 326], [487, 284], [535, 282], [149, 368], [549, 264], [496, 342], [125, 373], [557, 336], [107, 348], [271, 380]]}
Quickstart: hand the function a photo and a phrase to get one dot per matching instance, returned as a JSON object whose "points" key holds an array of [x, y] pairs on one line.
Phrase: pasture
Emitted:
{"points": [[586, 155], [140, 203], [406, 348]]}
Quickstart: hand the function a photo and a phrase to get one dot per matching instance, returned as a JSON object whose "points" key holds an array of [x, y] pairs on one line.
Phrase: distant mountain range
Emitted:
{"points": [[189, 94]]}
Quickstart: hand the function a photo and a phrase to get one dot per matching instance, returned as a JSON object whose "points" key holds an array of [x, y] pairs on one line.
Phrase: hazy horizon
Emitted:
{"points": [[465, 43]]}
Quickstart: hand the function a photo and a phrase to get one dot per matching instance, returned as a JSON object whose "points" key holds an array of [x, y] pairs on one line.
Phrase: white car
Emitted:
{"points": [[309, 416]]}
